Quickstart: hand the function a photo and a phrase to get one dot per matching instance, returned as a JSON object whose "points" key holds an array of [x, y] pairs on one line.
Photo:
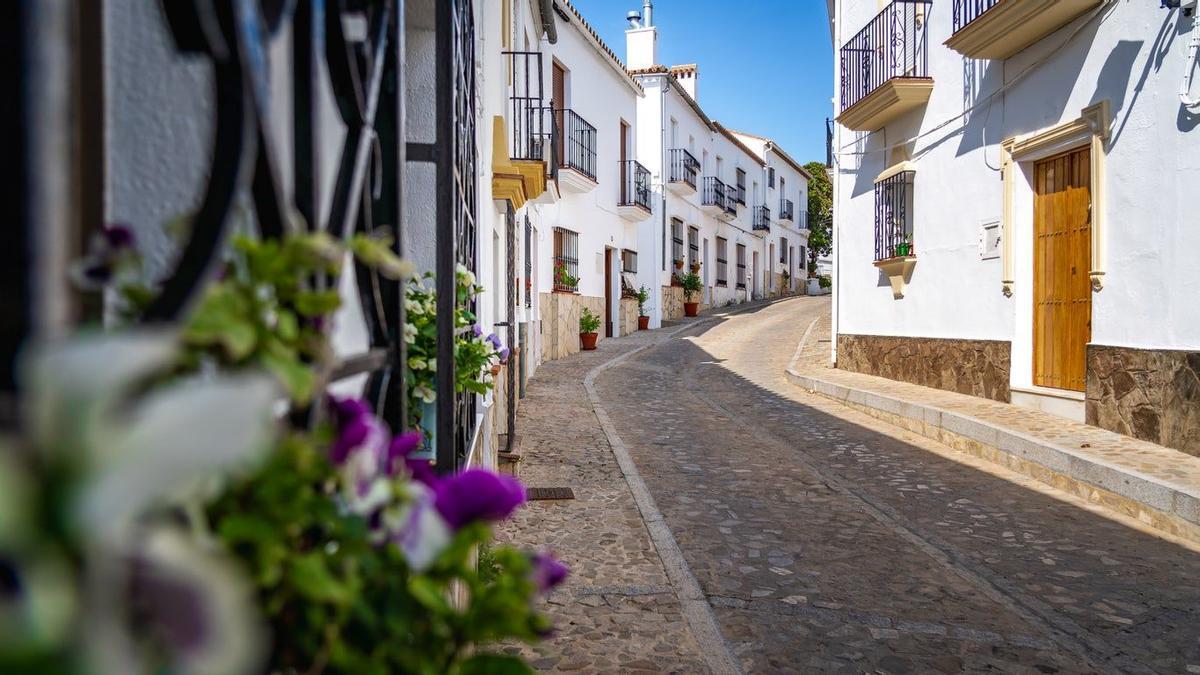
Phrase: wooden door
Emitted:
{"points": [[1062, 254], [625, 189], [608, 292], [559, 101]]}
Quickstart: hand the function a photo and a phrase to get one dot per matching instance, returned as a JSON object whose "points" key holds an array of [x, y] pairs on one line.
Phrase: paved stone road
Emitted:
{"points": [[824, 540]]}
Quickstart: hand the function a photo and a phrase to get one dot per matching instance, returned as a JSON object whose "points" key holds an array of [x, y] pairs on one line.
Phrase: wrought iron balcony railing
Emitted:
{"points": [[578, 141], [786, 209], [893, 45], [762, 218], [739, 192], [731, 200], [894, 216], [684, 167], [635, 184], [966, 11], [532, 122], [801, 220], [714, 193]]}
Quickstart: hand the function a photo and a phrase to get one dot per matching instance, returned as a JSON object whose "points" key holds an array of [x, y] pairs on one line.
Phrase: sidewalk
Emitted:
{"points": [[1158, 486]]}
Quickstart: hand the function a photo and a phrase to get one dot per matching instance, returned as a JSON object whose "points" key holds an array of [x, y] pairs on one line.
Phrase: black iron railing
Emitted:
{"points": [[566, 260], [714, 192], [740, 190], [966, 11], [741, 266], [722, 262], [693, 247], [801, 220], [531, 123], [787, 209], [893, 45], [676, 240], [684, 167], [762, 218], [578, 142], [635, 184], [731, 202], [893, 216]]}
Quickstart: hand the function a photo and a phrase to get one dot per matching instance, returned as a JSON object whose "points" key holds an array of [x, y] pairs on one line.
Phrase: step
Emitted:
{"points": [[1158, 486]]}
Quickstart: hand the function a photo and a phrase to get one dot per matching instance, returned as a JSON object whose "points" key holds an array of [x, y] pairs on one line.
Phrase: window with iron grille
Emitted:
{"points": [[771, 177], [566, 260], [804, 261], [629, 261], [741, 187], [693, 247], [741, 266], [783, 250], [894, 216], [676, 239], [722, 262]]}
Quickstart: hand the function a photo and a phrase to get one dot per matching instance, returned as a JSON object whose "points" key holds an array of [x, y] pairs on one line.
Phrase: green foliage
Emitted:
{"points": [[563, 279], [588, 322], [643, 294], [825, 281], [692, 285], [335, 597], [820, 211]]}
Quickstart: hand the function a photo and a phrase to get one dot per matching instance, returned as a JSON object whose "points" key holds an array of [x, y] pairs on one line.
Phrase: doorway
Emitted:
{"points": [[608, 292], [1062, 293], [558, 102]]}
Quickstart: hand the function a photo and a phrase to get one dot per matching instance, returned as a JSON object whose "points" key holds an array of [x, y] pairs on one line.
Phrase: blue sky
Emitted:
{"points": [[766, 66]]}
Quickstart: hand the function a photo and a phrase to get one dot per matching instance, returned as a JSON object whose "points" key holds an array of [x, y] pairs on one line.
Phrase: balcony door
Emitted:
{"points": [[625, 196], [1062, 291], [559, 92], [608, 292]]}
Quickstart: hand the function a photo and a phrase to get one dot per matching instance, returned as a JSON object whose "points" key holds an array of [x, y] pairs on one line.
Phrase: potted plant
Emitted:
{"points": [[642, 296], [588, 325], [563, 281], [679, 263], [692, 285], [695, 268], [786, 282], [904, 247]]}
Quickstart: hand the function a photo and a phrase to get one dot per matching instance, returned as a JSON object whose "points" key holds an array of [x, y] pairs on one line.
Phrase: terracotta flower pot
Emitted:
{"points": [[643, 323], [495, 369], [695, 268], [589, 340], [691, 308], [678, 264]]}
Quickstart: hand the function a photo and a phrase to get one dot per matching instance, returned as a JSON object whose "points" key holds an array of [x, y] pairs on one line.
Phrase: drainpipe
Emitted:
{"points": [[662, 183]]}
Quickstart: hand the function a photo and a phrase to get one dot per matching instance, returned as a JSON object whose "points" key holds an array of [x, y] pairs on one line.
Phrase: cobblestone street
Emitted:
{"points": [[822, 540]]}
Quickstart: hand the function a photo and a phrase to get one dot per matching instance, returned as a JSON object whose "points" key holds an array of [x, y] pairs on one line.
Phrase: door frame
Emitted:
{"points": [[609, 295]]}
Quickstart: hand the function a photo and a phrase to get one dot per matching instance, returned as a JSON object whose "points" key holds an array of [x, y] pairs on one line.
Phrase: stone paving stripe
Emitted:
{"points": [[547, 493]]}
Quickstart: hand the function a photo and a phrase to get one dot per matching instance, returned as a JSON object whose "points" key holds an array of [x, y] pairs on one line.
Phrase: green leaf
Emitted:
{"points": [[317, 303], [295, 376], [312, 578], [493, 664], [222, 319], [427, 592]]}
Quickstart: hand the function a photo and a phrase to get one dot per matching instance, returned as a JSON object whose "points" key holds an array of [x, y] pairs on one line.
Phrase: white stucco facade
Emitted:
{"points": [[1116, 68]]}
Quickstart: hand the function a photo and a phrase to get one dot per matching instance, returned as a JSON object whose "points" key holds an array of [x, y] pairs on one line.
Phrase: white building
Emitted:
{"points": [[1013, 216]]}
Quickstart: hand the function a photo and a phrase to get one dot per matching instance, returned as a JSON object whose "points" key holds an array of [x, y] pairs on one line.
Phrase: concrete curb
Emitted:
{"points": [[1154, 503], [692, 602]]}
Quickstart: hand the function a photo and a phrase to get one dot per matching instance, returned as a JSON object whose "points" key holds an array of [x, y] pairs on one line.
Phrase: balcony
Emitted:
{"points": [[683, 172], [521, 171], [762, 218], [885, 67], [739, 194], [895, 255], [730, 201], [634, 204], [801, 220], [714, 197], [998, 29], [576, 151], [786, 210]]}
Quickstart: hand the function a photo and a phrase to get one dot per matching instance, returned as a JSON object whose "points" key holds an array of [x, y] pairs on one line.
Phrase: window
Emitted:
{"points": [[693, 247], [674, 133], [804, 261], [741, 266], [783, 250], [741, 186], [771, 177], [894, 214], [722, 263], [782, 187], [676, 240], [566, 260], [629, 261]]}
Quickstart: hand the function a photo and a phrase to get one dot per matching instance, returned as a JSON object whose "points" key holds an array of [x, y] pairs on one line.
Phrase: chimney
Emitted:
{"points": [[641, 39], [688, 76]]}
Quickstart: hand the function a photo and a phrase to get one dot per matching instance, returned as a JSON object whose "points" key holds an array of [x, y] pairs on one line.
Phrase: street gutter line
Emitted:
{"points": [[693, 603]]}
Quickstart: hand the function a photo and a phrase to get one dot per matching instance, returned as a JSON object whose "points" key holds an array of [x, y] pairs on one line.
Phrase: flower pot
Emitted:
{"points": [[695, 268], [691, 309], [643, 323], [678, 264], [588, 340], [495, 370]]}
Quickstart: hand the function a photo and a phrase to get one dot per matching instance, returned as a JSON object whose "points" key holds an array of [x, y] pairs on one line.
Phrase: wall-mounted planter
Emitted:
{"points": [[898, 271]]}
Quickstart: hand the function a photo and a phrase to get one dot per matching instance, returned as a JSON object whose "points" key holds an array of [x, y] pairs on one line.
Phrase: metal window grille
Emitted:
{"points": [[966, 11], [787, 210], [731, 202], [676, 239], [629, 261], [762, 218], [771, 177], [714, 192], [741, 266], [635, 184], [722, 262], [693, 246], [783, 250], [741, 187], [566, 260], [893, 45], [894, 216], [684, 167], [579, 139]]}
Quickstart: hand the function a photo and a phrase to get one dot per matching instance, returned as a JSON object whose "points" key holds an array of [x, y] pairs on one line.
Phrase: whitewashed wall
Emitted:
{"points": [[1134, 58]]}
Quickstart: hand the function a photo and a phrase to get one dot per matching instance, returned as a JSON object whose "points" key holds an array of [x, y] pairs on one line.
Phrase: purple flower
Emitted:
{"points": [[476, 494], [399, 455], [357, 429], [494, 341], [548, 572], [119, 236], [477, 329], [504, 354]]}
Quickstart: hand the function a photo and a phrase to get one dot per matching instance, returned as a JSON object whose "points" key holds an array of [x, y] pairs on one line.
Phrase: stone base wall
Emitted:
{"points": [[672, 303], [629, 316], [976, 367], [560, 322], [1149, 394]]}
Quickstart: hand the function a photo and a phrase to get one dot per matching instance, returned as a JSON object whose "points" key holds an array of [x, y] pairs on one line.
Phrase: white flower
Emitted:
{"points": [[432, 364], [426, 394], [423, 533], [410, 333], [416, 363], [412, 306], [465, 276]]}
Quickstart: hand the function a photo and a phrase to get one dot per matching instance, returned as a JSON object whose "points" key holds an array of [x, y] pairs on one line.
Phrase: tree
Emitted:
{"points": [[820, 212]]}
